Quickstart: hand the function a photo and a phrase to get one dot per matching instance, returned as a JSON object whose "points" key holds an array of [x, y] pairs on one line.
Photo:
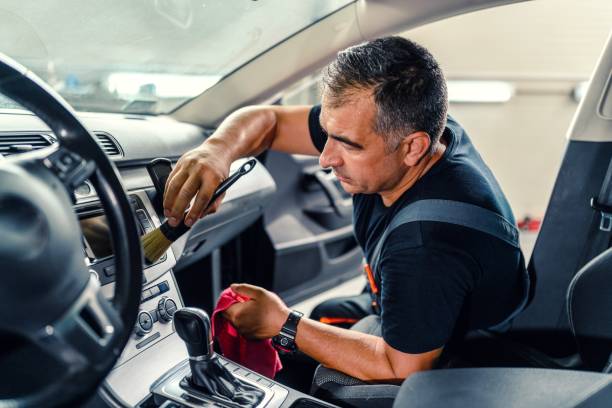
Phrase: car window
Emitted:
{"points": [[145, 56]]}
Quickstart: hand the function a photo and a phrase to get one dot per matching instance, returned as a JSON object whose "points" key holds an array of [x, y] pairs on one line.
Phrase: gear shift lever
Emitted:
{"points": [[193, 326], [208, 375]]}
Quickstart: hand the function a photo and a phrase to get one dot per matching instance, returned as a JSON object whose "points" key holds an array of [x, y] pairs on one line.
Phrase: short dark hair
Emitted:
{"points": [[407, 84]]}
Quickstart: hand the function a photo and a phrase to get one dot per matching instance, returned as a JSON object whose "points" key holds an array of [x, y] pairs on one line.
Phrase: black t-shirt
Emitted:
{"points": [[439, 280]]}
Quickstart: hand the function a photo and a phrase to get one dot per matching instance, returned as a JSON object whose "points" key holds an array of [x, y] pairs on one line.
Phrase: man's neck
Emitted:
{"points": [[413, 174]]}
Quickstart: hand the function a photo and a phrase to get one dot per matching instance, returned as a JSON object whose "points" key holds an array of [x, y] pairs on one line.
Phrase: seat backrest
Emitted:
{"points": [[589, 309]]}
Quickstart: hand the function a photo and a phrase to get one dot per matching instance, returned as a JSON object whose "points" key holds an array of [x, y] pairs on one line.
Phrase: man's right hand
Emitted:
{"points": [[246, 132], [197, 173]]}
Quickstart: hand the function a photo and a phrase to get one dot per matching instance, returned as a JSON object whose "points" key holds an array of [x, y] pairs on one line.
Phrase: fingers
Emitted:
{"points": [[213, 207], [189, 188], [173, 186], [232, 312], [198, 207], [246, 289]]}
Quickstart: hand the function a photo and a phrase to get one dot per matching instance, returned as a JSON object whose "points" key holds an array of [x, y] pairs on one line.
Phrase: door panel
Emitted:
{"points": [[309, 224]]}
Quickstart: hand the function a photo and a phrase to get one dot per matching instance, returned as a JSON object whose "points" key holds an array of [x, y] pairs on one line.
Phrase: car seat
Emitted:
{"points": [[589, 309], [588, 302]]}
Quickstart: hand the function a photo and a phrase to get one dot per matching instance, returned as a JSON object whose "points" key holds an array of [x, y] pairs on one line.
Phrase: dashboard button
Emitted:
{"points": [[144, 324], [83, 190], [166, 309], [146, 294], [163, 287], [109, 270]]}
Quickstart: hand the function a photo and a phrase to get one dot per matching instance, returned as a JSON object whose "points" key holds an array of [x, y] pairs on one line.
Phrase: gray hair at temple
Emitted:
{"points": [[406, 82]]}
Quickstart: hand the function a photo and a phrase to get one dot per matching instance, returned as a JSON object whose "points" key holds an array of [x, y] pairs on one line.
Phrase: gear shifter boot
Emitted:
{"points": [[213, 379], [208, 375]]}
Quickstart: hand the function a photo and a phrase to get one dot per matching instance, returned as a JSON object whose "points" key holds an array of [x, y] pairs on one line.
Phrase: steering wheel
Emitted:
{"points": [[60, 336]]}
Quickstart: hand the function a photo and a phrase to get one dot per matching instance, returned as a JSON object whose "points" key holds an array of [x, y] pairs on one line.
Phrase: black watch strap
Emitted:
{"points": [[285, 340]]}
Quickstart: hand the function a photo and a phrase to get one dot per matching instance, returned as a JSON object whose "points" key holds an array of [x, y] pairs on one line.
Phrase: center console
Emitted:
{"points": [[206, 379], [97, 242], [155, 369], [160, 298]]}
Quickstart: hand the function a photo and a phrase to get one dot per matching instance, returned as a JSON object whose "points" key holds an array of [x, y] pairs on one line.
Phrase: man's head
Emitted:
{"points": [[384, 108]]}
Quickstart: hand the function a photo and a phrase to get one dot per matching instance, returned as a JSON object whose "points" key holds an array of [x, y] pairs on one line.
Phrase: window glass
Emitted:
{"points": [[146, 56]]}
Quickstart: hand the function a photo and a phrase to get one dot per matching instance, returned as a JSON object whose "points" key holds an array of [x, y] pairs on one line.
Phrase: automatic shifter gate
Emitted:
{"points": [[207, 380]]}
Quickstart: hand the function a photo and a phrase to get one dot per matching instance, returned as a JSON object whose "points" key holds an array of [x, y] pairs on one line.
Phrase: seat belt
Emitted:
{"points": [[457, 213], [601, 226]]}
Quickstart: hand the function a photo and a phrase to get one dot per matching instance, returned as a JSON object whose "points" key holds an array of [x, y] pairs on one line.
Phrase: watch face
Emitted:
{"points": [[284, 342]]}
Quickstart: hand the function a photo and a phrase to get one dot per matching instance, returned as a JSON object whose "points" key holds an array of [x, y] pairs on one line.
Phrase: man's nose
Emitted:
{"points": [[329, 156]]}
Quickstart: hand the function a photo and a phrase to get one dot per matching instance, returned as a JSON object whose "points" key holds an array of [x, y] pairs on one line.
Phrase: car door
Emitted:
{"points": [[310, 228]]}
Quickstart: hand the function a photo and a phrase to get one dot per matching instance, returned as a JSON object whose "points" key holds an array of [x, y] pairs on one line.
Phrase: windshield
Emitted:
{"points": [[145, 56]]}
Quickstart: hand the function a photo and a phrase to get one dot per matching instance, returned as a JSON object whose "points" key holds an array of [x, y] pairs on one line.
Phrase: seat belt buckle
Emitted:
{"points": [[605, 224]]}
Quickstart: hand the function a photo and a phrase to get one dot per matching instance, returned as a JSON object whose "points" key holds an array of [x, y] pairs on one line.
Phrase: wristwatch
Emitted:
{"points": [[285, 340]]}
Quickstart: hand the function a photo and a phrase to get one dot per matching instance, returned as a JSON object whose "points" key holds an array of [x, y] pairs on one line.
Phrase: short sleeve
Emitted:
{"points": [[423, 290], [317, 134]]}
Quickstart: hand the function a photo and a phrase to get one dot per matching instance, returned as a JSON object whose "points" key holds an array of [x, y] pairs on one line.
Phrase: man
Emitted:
{"points": [[382, 128]]}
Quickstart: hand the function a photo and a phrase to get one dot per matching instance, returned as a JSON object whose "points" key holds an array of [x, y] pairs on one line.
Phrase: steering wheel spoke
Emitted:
{"points": [[84, 336], [69, 167]]}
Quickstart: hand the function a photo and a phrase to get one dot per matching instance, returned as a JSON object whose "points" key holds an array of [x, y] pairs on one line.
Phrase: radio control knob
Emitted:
{"points": [[166, 308], [144, 323]]}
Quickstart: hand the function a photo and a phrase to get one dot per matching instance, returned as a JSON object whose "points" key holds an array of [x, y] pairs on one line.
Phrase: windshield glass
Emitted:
{"points": [[145, 56]]}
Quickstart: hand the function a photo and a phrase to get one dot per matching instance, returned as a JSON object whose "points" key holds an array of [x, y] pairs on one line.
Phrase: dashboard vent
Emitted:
{"points": [[14, 143], [108, 144]]}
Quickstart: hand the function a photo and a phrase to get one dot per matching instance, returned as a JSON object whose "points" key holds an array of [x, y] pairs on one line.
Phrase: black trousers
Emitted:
{"points": [[343, 311]]}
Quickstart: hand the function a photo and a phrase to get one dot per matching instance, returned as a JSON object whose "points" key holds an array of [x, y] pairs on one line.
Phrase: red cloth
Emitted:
{"points": [[257, 355]]}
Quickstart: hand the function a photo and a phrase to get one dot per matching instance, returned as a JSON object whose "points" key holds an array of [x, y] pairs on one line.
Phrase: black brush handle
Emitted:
{"points": [[173, 233]]}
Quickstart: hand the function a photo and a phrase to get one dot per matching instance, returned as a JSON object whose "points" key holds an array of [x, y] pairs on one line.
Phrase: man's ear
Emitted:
{"points": [[414, 147]]}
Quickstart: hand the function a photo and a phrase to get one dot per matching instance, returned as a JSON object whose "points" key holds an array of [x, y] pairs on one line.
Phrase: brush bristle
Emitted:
{"points": [[154, 245]]}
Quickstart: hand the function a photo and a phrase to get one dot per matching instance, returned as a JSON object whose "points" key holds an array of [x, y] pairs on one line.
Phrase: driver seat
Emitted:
{"points": [[589, 309], [343, 390]]}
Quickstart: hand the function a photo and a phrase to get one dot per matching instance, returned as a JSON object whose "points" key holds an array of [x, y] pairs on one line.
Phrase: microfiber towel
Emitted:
{"points": [[257, 355]]}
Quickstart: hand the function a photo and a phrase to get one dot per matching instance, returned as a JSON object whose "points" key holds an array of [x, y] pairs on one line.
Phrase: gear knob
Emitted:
{"points": [[193, 326]]}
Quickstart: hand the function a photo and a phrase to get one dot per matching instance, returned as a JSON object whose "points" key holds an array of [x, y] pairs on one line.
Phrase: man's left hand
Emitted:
{"points": [[260, 317]]}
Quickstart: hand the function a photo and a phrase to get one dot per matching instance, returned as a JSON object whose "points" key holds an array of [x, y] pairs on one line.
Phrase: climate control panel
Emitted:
{"points": [[158, 304], [165, 309], [162, 312]]}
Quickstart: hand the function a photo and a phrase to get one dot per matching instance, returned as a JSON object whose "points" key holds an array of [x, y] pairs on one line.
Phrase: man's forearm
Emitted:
{"points": [[359, 355], [246, 132]]}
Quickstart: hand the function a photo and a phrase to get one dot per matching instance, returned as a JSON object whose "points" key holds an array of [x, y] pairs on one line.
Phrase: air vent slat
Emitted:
{"points": [[108, 144], [11, 143], [20, 139]]}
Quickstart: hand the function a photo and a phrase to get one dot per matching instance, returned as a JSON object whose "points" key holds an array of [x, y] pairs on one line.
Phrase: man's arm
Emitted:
{"points": [[359, 355], [247, 132]]}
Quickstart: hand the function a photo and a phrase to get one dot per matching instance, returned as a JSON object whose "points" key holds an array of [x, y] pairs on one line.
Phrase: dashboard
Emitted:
{"points": [[131, 142]]}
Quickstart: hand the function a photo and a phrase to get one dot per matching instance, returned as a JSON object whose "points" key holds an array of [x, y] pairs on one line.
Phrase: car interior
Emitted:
{"points": [[86, 321]]}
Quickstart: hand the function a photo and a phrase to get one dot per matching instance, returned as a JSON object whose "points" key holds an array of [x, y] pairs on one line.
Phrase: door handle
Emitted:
{"points": [[328, 182]]}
